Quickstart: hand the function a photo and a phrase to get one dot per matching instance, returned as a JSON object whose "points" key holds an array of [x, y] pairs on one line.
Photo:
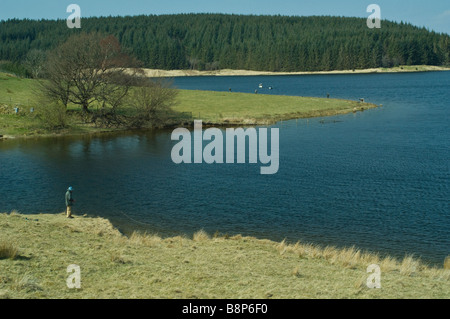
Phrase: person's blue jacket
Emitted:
{"points": [[69, 198]]}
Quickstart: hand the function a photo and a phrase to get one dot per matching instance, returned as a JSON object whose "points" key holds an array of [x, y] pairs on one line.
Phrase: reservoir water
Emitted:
{"points": [[378, 180]]}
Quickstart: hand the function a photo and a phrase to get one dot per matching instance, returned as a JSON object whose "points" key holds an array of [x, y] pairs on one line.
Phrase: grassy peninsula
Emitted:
{"points": [[35, 251], [214, 108]]}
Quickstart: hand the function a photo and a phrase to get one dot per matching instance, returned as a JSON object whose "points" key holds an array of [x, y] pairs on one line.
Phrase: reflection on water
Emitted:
{"points": [[378, 179]]}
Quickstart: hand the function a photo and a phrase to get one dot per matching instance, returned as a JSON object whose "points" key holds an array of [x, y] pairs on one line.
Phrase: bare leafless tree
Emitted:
{"points": [[34, 62], [89, 69], [152, 102]]}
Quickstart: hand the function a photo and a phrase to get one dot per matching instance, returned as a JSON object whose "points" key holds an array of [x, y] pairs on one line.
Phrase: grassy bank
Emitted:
{"points": [[221, 108], [215, 108], [35, 251]]}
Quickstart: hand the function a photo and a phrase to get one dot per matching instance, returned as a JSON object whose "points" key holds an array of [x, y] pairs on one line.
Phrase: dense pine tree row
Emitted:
{"points": [[212, 41]]}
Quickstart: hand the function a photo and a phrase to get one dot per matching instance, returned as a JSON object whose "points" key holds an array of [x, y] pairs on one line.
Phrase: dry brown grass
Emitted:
{"points": [[352, 258], [409, 266], [145, 239], [27, 284], [148, 266], [8, 250], [447, 263], [201, 235]]}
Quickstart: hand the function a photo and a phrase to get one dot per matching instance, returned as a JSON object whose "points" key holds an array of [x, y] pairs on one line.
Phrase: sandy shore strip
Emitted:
{"points": [[229, 72]]}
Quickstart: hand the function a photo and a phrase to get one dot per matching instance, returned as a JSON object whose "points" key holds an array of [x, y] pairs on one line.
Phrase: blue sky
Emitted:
{"points": [[433, 14]]}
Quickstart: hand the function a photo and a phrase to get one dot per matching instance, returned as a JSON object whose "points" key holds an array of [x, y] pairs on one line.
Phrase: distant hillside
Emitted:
{"points": [[216, 41]]}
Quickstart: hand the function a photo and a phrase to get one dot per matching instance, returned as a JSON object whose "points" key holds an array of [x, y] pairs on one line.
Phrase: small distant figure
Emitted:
{"points": [[32, 110], [328, 95], [16, 110], [229, 89], [69, 202], [256, 91]]}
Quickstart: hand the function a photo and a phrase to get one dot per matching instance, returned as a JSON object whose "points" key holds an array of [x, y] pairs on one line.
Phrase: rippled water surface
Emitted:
{"points": [[378, 180]]}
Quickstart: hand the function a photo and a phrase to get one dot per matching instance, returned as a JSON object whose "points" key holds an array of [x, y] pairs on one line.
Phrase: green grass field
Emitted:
{"points": [[35, 251], [220, 108], [214, 108]]}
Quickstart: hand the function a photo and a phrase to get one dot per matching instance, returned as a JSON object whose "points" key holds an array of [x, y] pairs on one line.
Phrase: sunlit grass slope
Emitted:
{"points": [[35, 251]]}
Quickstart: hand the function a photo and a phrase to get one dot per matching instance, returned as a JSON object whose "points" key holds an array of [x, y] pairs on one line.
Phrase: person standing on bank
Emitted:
{"points": [[69, 202]]}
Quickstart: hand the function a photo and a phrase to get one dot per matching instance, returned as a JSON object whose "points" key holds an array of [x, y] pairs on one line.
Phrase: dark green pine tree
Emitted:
{"points": [[273, 43]]}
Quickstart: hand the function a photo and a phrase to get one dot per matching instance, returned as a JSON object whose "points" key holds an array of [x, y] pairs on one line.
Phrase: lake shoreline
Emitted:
{"points": [[231, 72], [206, 124], [215, 109], [344, 169]]}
